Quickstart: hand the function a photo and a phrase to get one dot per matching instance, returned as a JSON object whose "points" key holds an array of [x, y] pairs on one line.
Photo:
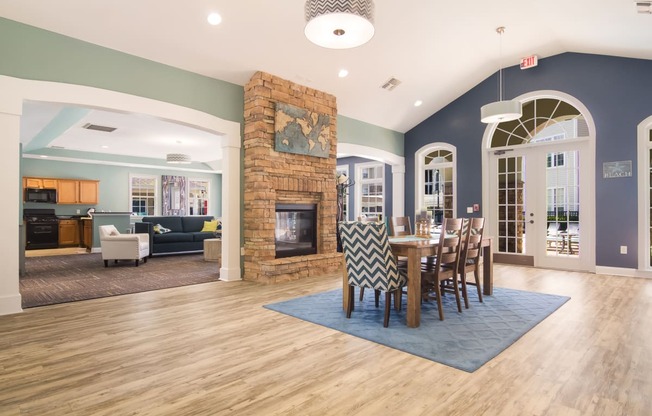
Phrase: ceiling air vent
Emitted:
{"points": [[89, 126], [390, 84], [644, 7]]}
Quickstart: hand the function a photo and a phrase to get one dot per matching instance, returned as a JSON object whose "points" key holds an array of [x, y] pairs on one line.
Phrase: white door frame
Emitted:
{"points": [[644, 144], [588, 172]]}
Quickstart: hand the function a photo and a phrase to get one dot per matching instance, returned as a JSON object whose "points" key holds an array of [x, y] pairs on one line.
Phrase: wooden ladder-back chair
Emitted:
{"points": [[446, 263], [399, 226], [470, 257], [370, 263]]}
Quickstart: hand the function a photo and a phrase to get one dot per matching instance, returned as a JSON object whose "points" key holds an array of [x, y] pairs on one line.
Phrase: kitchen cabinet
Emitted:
{"points": [[87, 233], [40, 183], [68, 232], [71, 191]]}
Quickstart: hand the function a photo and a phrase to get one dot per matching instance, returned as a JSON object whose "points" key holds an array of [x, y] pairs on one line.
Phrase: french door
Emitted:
{"points": [[542, 205]]}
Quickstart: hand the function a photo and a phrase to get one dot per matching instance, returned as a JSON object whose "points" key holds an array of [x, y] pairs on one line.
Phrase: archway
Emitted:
{"points": [[15, 91]]}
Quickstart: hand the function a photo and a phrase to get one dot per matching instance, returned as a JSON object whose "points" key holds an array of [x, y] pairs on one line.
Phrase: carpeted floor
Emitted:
{"points": [[59, 279], [465, 341]]}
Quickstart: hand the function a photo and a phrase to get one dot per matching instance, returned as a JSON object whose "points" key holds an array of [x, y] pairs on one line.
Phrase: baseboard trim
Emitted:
{"points": [[621, 271], [231, 274], [10, 304]]}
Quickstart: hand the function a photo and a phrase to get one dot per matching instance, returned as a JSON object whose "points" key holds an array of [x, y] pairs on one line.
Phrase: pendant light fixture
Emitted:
{"points": [[178, 158], [501, 110], [339, 24]]}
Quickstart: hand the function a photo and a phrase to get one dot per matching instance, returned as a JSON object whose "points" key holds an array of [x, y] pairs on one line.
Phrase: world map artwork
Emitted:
{"points": [[301, 131]]}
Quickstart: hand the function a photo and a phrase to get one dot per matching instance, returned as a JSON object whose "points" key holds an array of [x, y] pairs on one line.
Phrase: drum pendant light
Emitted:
{"points": [[501, 110]]}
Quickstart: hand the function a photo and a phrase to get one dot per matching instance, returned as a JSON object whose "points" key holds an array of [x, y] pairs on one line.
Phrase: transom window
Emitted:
{"points": [[543, 120]]}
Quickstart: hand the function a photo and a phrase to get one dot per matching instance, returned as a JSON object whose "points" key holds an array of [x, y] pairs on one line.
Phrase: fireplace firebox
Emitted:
{"points": [[296, 230]]}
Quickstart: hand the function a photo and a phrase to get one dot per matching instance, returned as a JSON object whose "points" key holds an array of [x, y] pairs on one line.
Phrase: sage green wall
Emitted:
{"points": [[358, 132], [31, 53], [114, 183]]}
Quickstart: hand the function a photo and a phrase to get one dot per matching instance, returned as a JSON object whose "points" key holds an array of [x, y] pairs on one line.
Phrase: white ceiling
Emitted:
{"points": [[135, 134], [439, 49]]}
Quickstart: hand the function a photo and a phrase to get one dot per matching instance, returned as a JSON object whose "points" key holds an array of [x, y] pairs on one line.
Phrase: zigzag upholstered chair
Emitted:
{"points": [[370, 263]]}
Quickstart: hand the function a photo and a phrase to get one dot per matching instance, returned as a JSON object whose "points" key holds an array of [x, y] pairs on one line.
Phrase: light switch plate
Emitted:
{"points": [[623, 249], [469, 210]]}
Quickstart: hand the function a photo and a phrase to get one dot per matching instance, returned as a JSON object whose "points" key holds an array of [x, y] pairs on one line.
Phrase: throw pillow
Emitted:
{"points": [[159, 229], [209, 226]]}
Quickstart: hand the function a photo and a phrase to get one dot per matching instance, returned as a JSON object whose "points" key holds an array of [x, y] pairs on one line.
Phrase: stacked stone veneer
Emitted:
{"points": [[271, 177]]}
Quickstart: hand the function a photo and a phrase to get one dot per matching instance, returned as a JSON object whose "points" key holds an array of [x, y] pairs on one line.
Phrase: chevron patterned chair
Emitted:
{"points": [[370, 263]]}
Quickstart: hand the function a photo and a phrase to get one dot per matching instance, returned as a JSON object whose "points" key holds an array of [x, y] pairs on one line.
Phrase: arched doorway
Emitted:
{"points": [[18, 90], [539, 184]]}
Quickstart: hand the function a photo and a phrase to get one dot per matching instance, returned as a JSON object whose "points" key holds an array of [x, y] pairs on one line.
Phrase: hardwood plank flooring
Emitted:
{"points": [[211, 349]]}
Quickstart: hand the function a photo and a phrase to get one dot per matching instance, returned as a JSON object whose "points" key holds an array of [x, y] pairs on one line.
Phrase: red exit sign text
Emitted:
{"points": [[529, 62]]}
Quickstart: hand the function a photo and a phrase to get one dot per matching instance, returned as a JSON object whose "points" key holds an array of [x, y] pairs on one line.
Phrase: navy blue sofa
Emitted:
{"points": [[185, 233]]}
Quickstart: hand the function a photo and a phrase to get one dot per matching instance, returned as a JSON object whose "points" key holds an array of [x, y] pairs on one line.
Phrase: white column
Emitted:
{"points": [[10, 216], [398, 190], [231, 208]]}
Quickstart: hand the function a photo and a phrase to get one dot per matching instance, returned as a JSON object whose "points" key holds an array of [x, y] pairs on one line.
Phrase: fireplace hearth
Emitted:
{"points": [[295, 230]]}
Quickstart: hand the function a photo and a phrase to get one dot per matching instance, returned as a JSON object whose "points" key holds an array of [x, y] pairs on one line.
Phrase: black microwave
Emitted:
{"points": [[48, 196]]}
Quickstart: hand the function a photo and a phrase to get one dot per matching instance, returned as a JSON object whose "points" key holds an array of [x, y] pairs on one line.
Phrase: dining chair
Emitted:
{"points": [[446, 263], [470, 257], [370, 263], [399, 226]]}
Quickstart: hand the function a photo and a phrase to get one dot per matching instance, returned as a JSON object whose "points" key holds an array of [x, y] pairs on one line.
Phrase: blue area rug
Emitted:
{"points": [[464, 340]]}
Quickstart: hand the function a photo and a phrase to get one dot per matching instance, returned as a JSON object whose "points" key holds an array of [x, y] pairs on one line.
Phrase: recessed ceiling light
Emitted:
{"points": [[417, 103], [214, 19], [104, 146], [343, 73], [44, 156]]}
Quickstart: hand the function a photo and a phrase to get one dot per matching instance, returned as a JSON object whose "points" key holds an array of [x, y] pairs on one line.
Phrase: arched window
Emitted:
{"points": [[543, 120], [435, 181]]}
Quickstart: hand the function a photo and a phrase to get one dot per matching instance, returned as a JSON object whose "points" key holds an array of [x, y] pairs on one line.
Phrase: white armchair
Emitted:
{"points": [[116, 246]]}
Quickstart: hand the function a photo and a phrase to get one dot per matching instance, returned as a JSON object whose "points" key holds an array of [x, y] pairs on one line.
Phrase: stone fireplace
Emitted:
{"points": [[274, 179]]}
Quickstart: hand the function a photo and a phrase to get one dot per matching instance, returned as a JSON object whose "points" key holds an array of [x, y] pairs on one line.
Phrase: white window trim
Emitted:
{"points": [[643, 161], [420, 167], [358, 185], [345, 169], [157, 192]]}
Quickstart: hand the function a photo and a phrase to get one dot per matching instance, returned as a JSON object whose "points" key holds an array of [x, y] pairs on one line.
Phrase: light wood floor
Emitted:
{"points": [[212, 349]]}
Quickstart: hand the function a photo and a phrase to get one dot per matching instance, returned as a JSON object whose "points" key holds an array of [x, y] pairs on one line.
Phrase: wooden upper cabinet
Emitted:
{"points": [[78, 192], [40, 183], [68, 191], [89, 192]]}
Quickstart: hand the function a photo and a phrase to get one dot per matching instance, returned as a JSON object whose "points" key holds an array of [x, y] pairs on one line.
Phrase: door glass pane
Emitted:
{"points": [[511, 205], [563, 204]]}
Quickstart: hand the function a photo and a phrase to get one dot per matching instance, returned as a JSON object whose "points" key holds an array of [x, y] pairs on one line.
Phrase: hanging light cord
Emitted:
{"points": [[500, 31]]}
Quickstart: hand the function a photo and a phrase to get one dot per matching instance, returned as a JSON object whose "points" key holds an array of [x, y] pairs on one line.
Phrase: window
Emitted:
{"points": [[555, 160], [344, 170], [143, 194], [198, 196], [436, 181], [370, 192]]}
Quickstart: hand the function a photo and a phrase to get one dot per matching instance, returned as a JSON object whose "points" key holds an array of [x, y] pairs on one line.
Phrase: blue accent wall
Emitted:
{"points": [[617, 93], [353, 210]]}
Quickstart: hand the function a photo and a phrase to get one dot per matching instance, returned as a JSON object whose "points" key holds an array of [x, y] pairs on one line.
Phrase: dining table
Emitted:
{"points": [[414, 248]]}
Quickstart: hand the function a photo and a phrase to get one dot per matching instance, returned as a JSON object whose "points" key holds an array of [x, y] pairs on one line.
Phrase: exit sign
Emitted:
{"points": [[529, 62]]}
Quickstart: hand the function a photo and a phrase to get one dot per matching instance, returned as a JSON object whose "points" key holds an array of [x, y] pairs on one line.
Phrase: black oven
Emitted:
{"points": [[41, 228], [41, 195]]}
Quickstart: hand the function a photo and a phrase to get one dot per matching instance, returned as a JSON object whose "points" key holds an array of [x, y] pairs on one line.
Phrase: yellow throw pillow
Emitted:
{"points": [[209, 226]]}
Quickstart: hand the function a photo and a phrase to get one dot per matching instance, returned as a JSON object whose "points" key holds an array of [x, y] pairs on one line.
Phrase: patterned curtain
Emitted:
{"points": [[175, 195]]}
